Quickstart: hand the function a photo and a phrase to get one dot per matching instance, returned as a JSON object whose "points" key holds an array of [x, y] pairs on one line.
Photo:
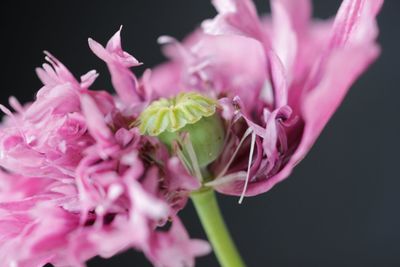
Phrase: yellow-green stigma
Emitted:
{"points": [[190, 113]]}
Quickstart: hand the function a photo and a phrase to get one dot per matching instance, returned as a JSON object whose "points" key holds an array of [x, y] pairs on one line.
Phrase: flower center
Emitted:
{"points": [[190, 113]]}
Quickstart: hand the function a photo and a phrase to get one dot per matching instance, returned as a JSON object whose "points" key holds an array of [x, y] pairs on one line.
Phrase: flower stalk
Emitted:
{"points": [[207, 208]]}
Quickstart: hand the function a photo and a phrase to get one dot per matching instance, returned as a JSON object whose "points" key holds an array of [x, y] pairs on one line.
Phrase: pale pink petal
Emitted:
{"points": [[175, 248], [235, 17], [237, 65], [115, 48], [180, 179], [119, 62], [95, 119], [284, 39], [144, 202], [352, 17], [88, 79], [299, 12], [59, 99], [278, 76], [164, 79], [55, 73]]}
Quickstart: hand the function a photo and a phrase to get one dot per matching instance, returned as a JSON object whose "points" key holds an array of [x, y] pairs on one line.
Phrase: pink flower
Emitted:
{"points": [[282, 77], [78, 179]]}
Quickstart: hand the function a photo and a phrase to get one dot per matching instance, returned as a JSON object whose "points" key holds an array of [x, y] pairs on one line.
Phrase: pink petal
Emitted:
{"points": [[322, 102], [95, 120], [283, 39], [235, 17], [351, 18], [55, 73], [279, 80], [299, 12], [119, 62], [237, 65], [175, 248]]}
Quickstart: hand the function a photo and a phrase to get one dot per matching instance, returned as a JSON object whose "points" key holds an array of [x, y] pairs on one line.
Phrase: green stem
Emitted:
{"points": [[211, 218]]}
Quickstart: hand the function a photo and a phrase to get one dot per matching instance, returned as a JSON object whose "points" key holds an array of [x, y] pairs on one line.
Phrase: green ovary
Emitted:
{"points": [[190, 113], [206, 135]]}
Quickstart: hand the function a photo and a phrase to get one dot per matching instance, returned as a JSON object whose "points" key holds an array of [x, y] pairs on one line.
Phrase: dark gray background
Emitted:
{"points": [[339, 208]]}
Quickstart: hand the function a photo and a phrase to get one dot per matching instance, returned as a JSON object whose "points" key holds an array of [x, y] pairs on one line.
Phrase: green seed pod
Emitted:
{"points": [[190, 113]]}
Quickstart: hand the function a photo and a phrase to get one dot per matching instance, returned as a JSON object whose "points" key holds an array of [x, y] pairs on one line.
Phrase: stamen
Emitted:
{"points": [[187, 144], [253, 141], [227, 178], [184, 160], [247, 133]]}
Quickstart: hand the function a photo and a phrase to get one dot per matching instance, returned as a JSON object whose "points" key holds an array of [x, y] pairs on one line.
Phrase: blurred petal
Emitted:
{"points": [[353, 17], [284, 41], [299, 12]]}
